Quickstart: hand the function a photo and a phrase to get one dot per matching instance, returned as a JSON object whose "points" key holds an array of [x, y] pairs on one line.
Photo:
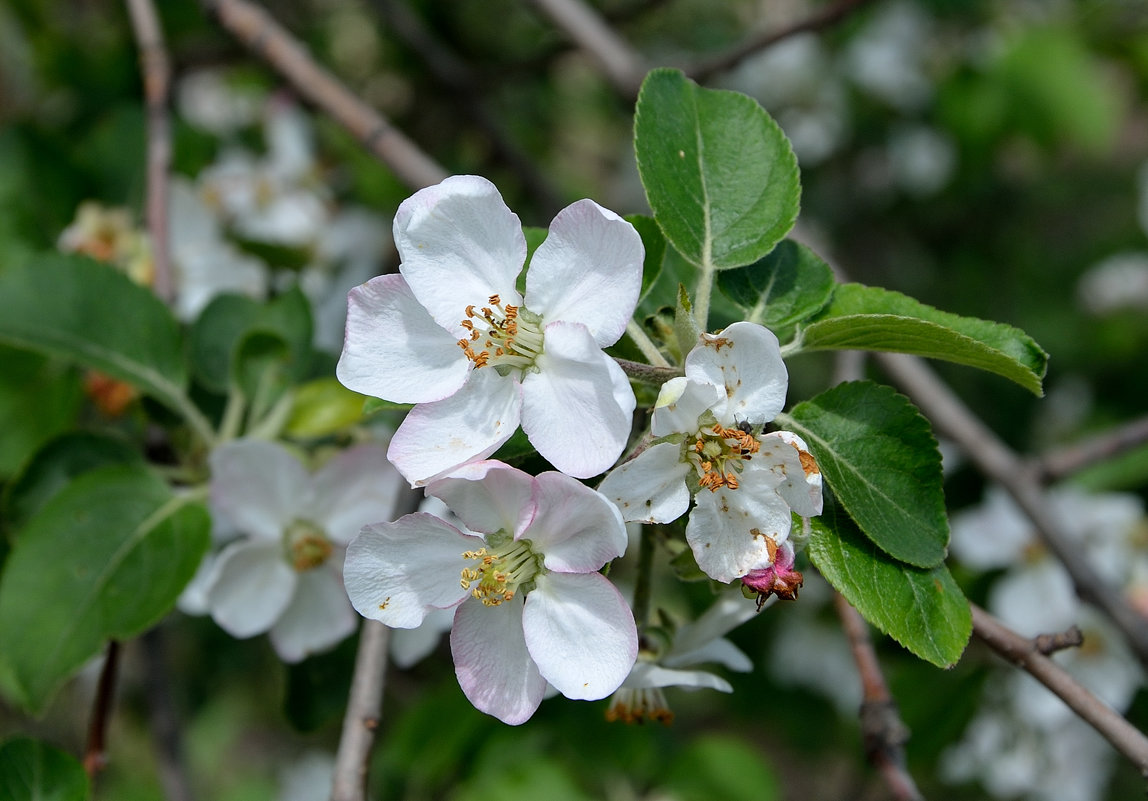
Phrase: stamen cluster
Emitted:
{"points": [[718, 455], [307, 545], [503, 340], [499, 572]]}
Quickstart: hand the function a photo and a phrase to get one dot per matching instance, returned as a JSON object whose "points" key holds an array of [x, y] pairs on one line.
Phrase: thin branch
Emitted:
{"points": [[826, 17], [882, 730], [254, 27], [1025, 654], [953, 419], [363, 710], [648, 373], [95, 752], [162, 718], [1063, 462], [156, 69], [620, 62], [1049, 644]]}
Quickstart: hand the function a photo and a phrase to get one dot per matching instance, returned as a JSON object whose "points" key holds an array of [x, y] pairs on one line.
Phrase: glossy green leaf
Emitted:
{"points": [[880, 458], [788, 285], [92, 314], [922, 609], [719, 173], [870, 318], [34, 771], [39, 398], [105, 558]]}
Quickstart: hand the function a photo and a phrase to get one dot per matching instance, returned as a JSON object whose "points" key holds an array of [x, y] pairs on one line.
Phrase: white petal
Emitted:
{"points": [[646, 675], [680, 403], [720, 651], [787, 455], [459, 244], [589, 271], [394, 350], [488, 496], [411, 646], [257, 486], [692, 641], [398, 572], [651, 487], [357, 487], [728, 528], [577, 529], [318, 617], [250, 587], [435, 438], [493, 667], [569, 409], [581, 634], [745, 359]]}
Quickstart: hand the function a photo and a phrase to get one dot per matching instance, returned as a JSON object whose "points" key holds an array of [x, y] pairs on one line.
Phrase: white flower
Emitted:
{"points": [[744, 486], [284, 575], [453, 335], [530, 606]]}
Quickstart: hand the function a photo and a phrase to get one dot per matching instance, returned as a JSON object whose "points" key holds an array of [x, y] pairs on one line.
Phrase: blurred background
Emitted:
{"points": [[988, 157]]}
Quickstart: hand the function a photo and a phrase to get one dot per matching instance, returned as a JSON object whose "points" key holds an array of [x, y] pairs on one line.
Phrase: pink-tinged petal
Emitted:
{"points": [[397, 572], [589, 271], [651, 487], [787, 454], [744, 359], [493, 666], [411, 646], [488, 496], [459, 244], [569, 409], [257, 486], [249, 588], [357, 487], [680, 403], [581, 634], [576, 528], [394, 349], [436, 438], [728, 529], [318, 617]]}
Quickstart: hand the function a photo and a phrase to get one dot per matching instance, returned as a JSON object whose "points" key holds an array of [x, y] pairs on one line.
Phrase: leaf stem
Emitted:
{"points": [[645, 345], [194, 418], [648, 374], [95, 752], [644, 581]]}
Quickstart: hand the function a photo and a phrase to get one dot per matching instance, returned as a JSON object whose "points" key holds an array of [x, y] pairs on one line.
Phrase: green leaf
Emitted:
{"points": [[39, 398], [879, 456], [789, 285], [686, 329], [373, 406], [105, 558], [34, 771], [719, 174], [923, 610], [92, 314], [721, 766], [322, 407], [654, 245], [214, 335], [869, 318]]}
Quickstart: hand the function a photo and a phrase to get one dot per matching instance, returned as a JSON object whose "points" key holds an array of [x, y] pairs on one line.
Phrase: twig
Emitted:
{"points": [[621, 64], [1025, 654], [95, 752], [274, 44], [1051, 643], [162, 718], [1063, 462], [952, 418], [156, 70], [882, 729], [648, 373], [830, 15], [363, 709]]}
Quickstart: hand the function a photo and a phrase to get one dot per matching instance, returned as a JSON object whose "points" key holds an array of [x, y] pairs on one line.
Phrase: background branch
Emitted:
{"points": [[363, 710], [620, 62], [1063, 462], [95, 751]]}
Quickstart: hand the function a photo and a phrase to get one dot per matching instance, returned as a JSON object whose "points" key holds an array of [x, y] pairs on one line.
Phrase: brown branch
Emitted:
{"points": [[254, 27], [1063, 462], [156, 69], [363, 710], [1025, 654], [95, 752], [826, 17], [1049, 644], [997, 461], [620, 62], [648, 373]]}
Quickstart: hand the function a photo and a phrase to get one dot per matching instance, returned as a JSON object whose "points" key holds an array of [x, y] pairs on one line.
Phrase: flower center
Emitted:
{"points": [[639, 704], [718, 455], [500, 569], [504, 337], [307, 545]]}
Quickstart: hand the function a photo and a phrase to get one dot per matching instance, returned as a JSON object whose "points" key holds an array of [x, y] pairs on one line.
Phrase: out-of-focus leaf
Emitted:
{"points": [[721, 766], [39, 398], [322, 407], [34, 771]]}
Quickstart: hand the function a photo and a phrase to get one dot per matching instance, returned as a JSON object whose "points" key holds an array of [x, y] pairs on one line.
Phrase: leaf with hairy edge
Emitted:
{"points": [[924, 610], [654, 245], [790, 284], [92, 314], [34, 771], [719, 173], [105, 558], [879, 456], [869, 318]]}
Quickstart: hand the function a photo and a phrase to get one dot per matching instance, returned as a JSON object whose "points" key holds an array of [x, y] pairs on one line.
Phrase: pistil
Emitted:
{"points": [[499, 572], [719, 454]]}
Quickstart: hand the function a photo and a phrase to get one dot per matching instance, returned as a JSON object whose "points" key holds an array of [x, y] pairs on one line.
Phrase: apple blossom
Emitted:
{"points": [[283, 573], [529, 606], [453, 335], [744, 484]]}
